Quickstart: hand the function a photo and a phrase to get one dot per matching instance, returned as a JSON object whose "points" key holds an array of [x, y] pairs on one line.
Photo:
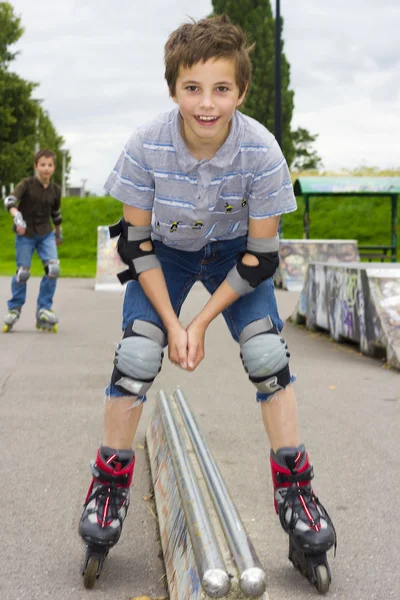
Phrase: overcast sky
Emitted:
{"points": [[100, 69]]}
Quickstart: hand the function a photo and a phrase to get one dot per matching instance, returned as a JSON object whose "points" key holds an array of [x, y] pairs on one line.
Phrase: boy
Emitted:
{"points": [[33, 203], [203, 188]]}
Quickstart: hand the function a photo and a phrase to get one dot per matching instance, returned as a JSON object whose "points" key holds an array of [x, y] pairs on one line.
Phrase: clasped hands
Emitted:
{"points": [[186, 346]]}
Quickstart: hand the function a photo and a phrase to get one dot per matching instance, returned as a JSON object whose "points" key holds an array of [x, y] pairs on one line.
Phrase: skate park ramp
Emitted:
{"points": [[359, 302], [294, 256], [108, 262]]}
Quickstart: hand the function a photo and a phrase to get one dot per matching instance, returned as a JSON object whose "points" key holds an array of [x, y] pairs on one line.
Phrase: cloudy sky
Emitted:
{"points": [[100, 69]]}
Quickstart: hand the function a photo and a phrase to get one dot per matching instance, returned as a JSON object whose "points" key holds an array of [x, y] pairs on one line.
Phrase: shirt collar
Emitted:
{"points": [[223, 157]]}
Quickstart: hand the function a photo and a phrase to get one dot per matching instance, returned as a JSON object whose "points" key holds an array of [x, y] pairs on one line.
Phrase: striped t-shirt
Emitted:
{"points": [[195, 202]]}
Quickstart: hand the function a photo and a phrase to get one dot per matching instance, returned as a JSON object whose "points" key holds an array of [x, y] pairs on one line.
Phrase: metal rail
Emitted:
{"points": [[212, 571], [252, 576]]}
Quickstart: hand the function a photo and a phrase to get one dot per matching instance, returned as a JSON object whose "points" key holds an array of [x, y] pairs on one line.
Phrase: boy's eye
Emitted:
{"points": [[222, 88], [192, 88]]}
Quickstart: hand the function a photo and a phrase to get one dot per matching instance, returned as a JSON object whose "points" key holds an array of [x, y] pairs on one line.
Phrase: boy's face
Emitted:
{"points": [[207, 95], [45, 168]]}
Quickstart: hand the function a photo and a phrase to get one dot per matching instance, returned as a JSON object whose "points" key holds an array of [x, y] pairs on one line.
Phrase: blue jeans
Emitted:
{"points": [[209, 265], [47, 250]]}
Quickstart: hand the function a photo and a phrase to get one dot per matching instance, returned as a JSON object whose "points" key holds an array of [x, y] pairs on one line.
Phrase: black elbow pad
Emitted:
{"points": [[268, 262]]}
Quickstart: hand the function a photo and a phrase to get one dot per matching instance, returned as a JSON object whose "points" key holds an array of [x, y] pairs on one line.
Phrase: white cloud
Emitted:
{"points": [[100, 69]]}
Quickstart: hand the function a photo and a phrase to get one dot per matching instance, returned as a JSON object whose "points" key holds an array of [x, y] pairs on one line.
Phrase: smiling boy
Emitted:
{"points": [[203, 188]]}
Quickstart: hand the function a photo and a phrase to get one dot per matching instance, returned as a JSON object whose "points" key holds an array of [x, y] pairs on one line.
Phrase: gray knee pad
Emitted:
{"points": [[265, 356], [23, 274], [52, 269], [138, 358]]}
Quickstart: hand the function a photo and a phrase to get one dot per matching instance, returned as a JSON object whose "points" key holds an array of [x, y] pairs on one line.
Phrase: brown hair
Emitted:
{"points": [[47, 154], [215, 37]]}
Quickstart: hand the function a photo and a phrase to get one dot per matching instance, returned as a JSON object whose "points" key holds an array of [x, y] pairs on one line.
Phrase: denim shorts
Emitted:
{"points": [[209, 265]]}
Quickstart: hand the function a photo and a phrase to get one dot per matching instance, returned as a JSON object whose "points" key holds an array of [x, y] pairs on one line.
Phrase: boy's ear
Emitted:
{"points": [[243, 96]]}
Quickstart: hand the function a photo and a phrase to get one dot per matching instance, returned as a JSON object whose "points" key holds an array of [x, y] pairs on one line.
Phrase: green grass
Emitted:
{"points": [[364, 219], [81, 217]]}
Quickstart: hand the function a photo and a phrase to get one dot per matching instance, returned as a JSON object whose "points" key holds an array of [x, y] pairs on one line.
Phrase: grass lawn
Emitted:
{"points": [[364, 219]]}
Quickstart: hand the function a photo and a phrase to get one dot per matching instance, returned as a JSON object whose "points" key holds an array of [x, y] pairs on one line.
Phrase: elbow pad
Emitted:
{"points": [[130, 239], [56, 217], [10, 202], [244, 278]]}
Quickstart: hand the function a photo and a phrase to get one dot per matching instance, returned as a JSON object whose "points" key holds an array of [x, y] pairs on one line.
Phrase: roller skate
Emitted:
{"points": [[105, 508], [11, 318], [46, 320], [302, 516]]}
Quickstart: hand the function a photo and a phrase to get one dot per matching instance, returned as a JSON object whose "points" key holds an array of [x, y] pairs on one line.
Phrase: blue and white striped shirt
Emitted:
{"points": [[195, 202]]}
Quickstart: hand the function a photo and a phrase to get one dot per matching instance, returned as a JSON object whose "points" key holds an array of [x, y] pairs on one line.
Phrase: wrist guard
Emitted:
{"points": [[128, 247], [244, 278], [19, 220]]}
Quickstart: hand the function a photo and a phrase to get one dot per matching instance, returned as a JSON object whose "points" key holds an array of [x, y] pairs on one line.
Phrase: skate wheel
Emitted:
{"points": [[55, 329], [6, 328], [90, 575], [323, 580]]}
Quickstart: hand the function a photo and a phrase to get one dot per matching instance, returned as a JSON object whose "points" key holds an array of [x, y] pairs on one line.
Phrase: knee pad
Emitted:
{"points": [[23, 274], [52, 269], [138, 358], [265, 356]]}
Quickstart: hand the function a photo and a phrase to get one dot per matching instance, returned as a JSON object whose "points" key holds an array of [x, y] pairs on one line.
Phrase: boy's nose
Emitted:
{"points": [[206, 101]]}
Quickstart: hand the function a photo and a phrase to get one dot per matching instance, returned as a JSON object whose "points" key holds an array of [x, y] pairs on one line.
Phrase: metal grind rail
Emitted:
{"points": [[212, 571], [252, 577]]}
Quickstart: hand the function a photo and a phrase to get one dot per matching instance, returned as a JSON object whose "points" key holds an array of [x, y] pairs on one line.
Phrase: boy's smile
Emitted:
{"points": [[207, 95]]}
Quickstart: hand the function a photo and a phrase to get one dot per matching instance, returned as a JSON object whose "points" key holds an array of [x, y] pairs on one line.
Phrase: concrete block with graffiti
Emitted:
{"points": [[294, 256], [359, 302]]}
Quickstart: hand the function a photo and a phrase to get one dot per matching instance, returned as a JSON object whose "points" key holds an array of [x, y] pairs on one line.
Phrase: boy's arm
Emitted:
{"points": [[155, 288], [225, 295], [11, 203]]}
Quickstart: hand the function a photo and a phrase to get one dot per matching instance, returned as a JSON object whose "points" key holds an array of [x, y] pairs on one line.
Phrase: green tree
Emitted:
{"points": [[19, 112], [10, 32], [306, 158], [255, 17]]}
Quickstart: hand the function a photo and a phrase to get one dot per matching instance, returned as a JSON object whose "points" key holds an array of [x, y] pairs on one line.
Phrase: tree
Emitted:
{"points": [[255, 17], [10, 32], [305, 157], [19, 112]]}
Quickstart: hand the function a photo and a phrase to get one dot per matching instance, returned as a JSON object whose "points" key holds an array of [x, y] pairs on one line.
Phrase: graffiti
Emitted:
{"points": [[295, 255], [354, 302]]}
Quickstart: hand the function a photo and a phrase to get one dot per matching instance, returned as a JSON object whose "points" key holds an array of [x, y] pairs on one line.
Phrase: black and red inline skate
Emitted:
{"points": [[302, 516], [105, 508]]}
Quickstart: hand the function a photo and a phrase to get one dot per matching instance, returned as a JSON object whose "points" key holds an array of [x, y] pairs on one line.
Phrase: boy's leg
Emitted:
{"points": [[254, 321], [122, 414], [47, 251], [138, 360], [24, 249]]}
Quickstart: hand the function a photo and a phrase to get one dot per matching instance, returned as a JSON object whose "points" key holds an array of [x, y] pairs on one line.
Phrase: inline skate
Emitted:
{"points": [[302, 516], [46, 320], [11, 318], [105, 508]]}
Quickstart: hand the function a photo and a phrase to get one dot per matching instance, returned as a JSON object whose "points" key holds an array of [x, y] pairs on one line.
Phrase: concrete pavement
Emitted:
{"points": [[51, 391]]}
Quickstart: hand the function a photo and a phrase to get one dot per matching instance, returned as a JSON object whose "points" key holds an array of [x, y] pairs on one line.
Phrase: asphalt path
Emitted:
{"points": [[51, 395]]}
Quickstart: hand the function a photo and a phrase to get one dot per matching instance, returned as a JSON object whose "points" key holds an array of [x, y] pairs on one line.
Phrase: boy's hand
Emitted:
{"points": [[195, 334], [19, 223], [177, 345]]}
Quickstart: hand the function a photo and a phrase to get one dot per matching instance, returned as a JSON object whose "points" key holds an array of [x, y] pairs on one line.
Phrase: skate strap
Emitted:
{"points": [[119, 480], [302, 477]]}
